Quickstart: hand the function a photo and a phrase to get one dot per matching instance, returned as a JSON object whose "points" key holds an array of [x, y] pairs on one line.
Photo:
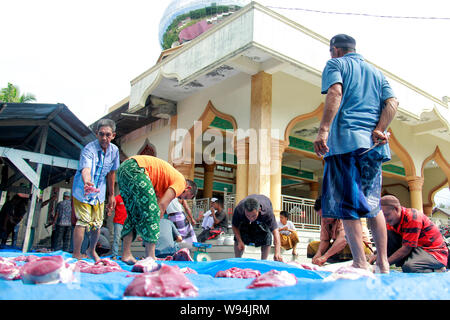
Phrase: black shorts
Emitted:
{"points": [[255, 234]]}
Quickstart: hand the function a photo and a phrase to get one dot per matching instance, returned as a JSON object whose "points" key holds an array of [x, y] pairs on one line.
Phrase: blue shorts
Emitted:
{"points": [[352, 185]]}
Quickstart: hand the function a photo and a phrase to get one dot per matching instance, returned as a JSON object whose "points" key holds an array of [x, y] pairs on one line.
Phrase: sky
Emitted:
{"points": [[85, 53]]}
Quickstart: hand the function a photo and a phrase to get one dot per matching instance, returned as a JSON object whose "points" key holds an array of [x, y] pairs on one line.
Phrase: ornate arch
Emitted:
{"points": [[316, 113], [441, 162], [147, 149], [405, 157], [206, 118]]}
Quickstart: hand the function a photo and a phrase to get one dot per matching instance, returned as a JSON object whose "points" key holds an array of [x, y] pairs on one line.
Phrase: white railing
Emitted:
{"points": [[199, 207], [301, 211]]}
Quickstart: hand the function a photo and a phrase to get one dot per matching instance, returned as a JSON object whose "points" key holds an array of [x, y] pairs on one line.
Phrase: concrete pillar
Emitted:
{"points": [[277, 149], [208, 180], [313, 190], [427, 209], [260, 123], [241, 170], [415, 191]]}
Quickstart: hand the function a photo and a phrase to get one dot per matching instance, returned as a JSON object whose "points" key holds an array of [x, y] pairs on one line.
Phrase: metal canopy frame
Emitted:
{"points": [[70, 141]]}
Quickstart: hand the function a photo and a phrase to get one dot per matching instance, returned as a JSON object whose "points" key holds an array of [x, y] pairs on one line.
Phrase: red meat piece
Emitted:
{"points": [[25, 258], [50, 269], [145, 265], [90, 189], [100, 267], [273, 278], [238, 273], [182, 255], [166, 282], [8, 269]]}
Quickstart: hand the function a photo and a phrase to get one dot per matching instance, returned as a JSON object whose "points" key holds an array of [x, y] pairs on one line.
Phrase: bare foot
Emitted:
{"points": [[93, 255], [128, 260], [77, 256]]}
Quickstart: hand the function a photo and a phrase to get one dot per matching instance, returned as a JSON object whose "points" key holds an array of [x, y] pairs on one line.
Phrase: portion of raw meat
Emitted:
{"points": [[101, 266], [187, 270], [145, 265], [238, 273], [166, 282], [350, 273], [25, 258], [306, 266], [9, 270], [274, 278], [90, 189], [182, 255], [51, 269]]}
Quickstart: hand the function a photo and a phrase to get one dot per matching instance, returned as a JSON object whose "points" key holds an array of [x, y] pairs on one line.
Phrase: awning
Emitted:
{"points": [[41, 142]]}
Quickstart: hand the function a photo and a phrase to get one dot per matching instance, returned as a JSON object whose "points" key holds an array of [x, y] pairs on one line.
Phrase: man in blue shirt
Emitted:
{"points": [[359, 106], [99, 161]]}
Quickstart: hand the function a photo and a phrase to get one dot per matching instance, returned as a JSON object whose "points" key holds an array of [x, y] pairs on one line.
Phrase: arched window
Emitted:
{"points": [[147, 149]]}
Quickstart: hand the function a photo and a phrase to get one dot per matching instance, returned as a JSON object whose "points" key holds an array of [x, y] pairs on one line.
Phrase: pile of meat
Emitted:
{"points": [[101, 266], [238, 273], [273, 278], [51, 269], [350, 273], [168, 281], [9, 270]]}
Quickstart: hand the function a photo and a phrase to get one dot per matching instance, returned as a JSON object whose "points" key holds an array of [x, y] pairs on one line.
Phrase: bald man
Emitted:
{"points": [[414, 242]]}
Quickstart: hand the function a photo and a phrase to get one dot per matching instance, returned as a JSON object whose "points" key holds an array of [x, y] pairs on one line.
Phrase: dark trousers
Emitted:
{"points": [[418, 261], [62, 237]]}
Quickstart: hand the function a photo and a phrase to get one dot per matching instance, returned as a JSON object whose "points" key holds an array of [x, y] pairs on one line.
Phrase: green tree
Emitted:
{"points": [[12, 94]]}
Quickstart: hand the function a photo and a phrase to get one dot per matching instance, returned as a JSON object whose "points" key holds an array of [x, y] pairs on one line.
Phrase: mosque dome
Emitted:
{"points": [[184, 20]]}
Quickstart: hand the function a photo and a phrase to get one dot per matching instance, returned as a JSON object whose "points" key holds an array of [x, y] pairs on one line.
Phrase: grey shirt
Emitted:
{"points": [[166, 244]]}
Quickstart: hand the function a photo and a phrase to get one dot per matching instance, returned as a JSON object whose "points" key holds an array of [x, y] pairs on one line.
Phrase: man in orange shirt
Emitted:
{"points": [[147, 185]]}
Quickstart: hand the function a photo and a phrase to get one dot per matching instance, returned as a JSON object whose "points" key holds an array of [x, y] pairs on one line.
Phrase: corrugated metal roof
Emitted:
{"points": [[20, 126]]}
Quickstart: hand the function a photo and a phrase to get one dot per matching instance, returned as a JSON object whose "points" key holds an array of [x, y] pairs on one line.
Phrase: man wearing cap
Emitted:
{"points": [[63, 221], [352, 138], [414, 243], [217, 221]]}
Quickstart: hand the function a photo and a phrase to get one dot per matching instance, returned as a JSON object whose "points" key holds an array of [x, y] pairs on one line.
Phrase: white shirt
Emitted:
{"points": [[288, 224], [208, 220]]}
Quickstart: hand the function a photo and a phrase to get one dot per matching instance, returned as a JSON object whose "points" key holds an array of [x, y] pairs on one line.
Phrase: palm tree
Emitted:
{"points": [[12, 94]]}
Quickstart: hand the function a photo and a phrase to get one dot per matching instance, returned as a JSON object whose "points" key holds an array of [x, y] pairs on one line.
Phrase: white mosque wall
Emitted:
{"points": [[291, 97]]}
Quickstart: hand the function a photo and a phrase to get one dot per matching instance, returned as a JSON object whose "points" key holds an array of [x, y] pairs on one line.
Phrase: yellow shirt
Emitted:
{"points": [[162, 174]]}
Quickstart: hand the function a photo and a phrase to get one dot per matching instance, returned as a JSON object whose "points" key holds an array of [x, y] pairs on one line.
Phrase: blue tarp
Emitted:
{"points": [[310, 286]]}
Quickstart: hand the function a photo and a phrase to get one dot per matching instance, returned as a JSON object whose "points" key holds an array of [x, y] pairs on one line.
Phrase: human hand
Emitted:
{"points": [[241, 245], [372, 259], [89, 188], [320, 144], [320, 261], [277, 257], [379, 137]]}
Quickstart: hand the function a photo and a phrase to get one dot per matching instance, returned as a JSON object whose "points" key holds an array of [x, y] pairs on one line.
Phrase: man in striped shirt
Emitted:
{"points": [[414, 242]]}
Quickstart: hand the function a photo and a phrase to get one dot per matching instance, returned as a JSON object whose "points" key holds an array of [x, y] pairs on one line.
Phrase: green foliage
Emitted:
{"points": [[12, 94]]}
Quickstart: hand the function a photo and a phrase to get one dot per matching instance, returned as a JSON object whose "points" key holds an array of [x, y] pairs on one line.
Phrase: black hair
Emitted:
{"points": [[285, 214], [251, 204], [318, 204]]}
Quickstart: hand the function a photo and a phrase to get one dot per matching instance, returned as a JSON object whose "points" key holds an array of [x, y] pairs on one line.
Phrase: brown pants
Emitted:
{"points": [[289, 242], [344, 255]]}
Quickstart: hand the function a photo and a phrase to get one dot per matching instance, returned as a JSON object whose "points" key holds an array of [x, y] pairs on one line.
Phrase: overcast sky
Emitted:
{"points": [[85, 53]]}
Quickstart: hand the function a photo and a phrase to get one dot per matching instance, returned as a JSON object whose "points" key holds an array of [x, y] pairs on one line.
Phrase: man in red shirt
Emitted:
{"points": [[414, 242], [120, 215]]}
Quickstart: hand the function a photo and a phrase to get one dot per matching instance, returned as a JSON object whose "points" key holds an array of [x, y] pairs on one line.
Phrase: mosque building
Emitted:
{"points": [[235, 107]]}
